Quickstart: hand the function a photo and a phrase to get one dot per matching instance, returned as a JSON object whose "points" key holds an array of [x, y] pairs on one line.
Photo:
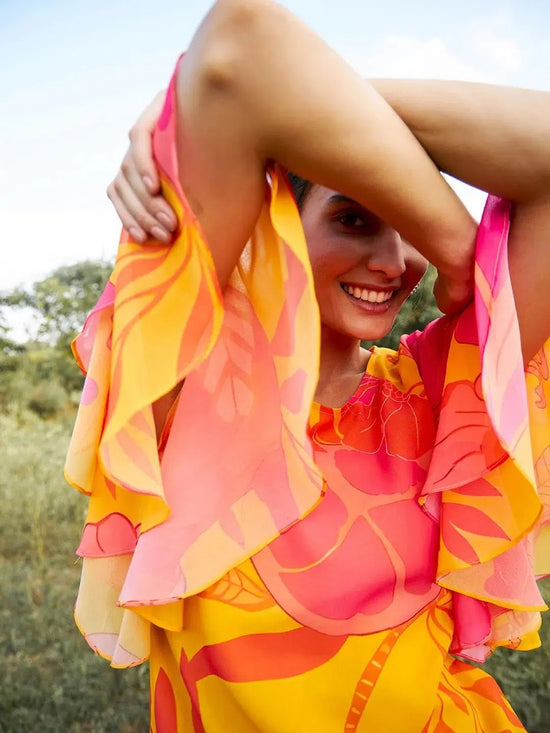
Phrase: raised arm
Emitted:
{"points": [[495, 138], [253, 87]]}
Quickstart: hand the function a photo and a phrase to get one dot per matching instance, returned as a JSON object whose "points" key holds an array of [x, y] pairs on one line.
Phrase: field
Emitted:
{"points": [[51, 682]]}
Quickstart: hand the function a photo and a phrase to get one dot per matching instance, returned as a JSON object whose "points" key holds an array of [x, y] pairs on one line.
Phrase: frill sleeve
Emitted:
{"points": [[237, 466], [488, 483]]}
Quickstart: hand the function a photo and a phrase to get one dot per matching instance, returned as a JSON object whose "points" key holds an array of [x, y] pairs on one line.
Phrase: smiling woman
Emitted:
{"points": [[352, 251], [367, 514]]}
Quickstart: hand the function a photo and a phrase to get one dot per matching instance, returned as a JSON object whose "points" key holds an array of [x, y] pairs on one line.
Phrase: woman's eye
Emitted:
{"points": [[352, 221], [357, 220]]}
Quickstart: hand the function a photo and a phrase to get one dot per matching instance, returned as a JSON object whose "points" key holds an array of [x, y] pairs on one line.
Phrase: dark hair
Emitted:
{"points": [[300, 187]]}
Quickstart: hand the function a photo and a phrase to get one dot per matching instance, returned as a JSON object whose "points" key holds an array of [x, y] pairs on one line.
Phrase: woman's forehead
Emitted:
{"points": [[324, 195]]}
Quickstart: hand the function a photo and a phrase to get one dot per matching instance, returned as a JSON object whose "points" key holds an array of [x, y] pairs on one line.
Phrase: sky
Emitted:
{"points": [[76, 74]]}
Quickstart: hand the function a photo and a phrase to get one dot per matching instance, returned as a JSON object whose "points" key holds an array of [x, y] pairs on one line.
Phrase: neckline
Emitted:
{"points": [[367, 376]]}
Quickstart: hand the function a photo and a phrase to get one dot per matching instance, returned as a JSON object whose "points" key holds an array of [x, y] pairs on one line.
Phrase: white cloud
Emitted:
{"points": [[37, 240], [500, 50], [408, 57]]}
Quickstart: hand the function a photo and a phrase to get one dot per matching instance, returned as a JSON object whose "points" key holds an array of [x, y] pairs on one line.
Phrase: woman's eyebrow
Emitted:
{"points": [[339, 198]]}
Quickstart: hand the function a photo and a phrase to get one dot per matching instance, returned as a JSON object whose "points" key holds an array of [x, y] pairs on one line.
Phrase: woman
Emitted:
{"points": [[326, 525]]}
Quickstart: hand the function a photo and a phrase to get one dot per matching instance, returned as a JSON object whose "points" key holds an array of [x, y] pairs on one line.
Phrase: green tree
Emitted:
{"points": [[417, 311], [41, 374], [61, 301]]}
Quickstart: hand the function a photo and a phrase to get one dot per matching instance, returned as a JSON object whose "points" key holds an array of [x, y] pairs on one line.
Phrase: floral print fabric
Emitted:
{"points": [[410, 522]]}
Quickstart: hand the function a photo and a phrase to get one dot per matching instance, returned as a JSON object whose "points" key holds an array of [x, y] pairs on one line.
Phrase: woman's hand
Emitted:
{"points": [[452, 294], [135, 191]]}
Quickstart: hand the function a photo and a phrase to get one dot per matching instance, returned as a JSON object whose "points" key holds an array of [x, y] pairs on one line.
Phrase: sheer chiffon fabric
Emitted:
{"points": [[410, 522]]}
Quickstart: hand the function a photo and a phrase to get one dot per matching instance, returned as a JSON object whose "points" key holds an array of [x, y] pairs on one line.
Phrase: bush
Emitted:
{"points": [[47, 399]]}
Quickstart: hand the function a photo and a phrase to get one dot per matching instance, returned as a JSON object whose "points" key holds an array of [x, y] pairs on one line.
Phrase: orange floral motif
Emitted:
{"points": [[384, 450], [237, 589], [458, 521], [542, 472], [166, 718], [256, 657], [469, 699], [228, 376], [368, 680], [390, 417], [538, 366], [466, 446], [112, 535], [365, 557]]}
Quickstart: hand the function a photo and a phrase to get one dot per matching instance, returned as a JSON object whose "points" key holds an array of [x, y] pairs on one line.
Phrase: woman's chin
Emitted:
{"points": [[376, 328], [371, 332]]}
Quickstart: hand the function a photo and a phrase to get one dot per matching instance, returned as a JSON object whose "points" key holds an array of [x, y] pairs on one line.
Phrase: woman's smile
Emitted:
{"points": [[363, 270], [372, 299]]}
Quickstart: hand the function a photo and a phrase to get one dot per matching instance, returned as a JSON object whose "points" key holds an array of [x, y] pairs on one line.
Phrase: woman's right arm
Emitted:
{"points": [[253, 87]]}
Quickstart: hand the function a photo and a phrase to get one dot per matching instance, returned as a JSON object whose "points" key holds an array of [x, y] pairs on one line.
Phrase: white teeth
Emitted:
{"points": [[370, 296]]}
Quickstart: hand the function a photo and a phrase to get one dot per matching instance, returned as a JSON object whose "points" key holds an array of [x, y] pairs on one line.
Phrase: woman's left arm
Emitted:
{"points": [[497, 139]]}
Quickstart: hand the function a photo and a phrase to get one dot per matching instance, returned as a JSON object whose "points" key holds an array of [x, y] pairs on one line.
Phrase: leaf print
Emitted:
{"points": [[237, 589], [228, 375], [478, 488], [542, 473], [472, 520], [542, 469], [367, 682], [165, 712], [538, 366], [458, 545], [460, 520], [292, 391], [262, 656], [283, 341], [487, 688], [466, 446]]}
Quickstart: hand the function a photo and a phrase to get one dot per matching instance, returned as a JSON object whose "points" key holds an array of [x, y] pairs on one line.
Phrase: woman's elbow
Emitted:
{"points": [[229, 39]]}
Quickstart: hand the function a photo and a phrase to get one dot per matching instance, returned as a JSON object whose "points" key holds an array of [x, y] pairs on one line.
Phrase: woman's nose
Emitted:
{"points": [[388, 255]]}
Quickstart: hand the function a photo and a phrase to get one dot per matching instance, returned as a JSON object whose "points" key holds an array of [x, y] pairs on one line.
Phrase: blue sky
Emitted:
{"points": [[76, 73]]}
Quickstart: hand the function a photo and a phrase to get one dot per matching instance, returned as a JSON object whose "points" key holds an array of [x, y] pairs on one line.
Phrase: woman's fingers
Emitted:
{"points": [[141, 149], [135, 191], [150, 208], [142, 213], [134, 213]]}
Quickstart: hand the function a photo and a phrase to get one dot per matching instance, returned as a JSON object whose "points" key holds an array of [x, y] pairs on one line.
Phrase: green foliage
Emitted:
{"points": [[47, 399], [41, 374], [525, 677], [63, 299], [417, 311]]}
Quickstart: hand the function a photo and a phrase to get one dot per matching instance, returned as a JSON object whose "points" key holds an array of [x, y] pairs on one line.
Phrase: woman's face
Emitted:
{"points": [[363, 270]]}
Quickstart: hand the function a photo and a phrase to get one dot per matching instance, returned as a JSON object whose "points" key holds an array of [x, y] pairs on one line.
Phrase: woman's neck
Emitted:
{"points": [[342, 366]]}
